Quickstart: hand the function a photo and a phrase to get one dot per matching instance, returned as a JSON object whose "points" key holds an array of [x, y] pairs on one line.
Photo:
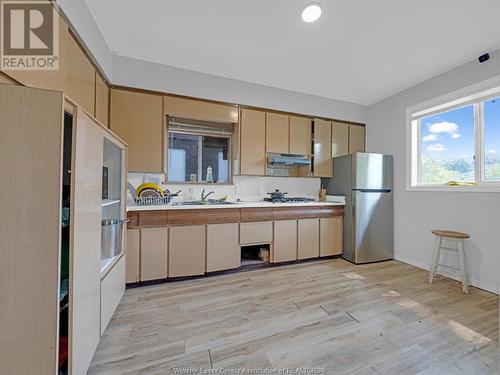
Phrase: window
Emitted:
{"points": [[196, 146], [456, 144]]}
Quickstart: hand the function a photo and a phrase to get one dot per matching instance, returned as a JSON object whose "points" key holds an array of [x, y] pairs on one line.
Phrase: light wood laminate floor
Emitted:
{"points": [[381, 318]]}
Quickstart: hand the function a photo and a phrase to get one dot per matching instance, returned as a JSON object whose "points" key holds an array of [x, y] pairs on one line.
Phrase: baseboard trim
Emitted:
{"points": [[452, 275]]}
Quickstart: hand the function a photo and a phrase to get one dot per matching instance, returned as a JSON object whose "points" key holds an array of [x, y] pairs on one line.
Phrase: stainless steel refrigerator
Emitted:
{"points": [[366, 181]]}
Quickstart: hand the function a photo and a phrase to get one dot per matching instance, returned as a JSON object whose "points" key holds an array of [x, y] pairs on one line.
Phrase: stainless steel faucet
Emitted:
{"points": [[205, 196]]}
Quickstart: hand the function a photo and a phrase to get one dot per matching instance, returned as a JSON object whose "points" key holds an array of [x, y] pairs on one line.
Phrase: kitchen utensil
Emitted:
{"points": [[277, 194]]}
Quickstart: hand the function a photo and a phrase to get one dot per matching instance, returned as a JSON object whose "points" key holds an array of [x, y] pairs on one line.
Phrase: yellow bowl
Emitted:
{"points": [[149, 185]]}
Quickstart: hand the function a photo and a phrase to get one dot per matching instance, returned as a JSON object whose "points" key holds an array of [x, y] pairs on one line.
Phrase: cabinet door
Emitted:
{"points": [[132, 254], [253, 142], [300, 135], [340, 139], [285, 241], [277, 133], [112, 290], [80, 80], [356, 138], [223, 249], [154, 250], [322, 148], [331, 236], [47, 79], [30, 231], [85, 256], [308, 238], [138, 118], [186, 256], [101, 99]]}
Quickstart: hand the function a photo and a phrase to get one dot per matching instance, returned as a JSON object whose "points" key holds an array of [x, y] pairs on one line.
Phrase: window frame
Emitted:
{"points": [[474, 95], [199, 134]]}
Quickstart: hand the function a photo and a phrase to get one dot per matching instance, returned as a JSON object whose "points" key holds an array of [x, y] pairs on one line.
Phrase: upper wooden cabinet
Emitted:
{"points": [[138, 118], [200, 110], [252, 142], [101, 100], [80, 84], [300, 135], [322, 148], [277, 133], [356, 138], [340, 139], [47, 79]]}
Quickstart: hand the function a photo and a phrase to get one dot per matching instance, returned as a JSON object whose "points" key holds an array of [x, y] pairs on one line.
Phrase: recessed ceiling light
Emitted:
{"points": [[311, 12]]}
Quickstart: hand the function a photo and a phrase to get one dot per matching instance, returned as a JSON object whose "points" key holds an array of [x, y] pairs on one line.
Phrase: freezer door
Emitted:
{"points": [[372, 171], [373, 226]]}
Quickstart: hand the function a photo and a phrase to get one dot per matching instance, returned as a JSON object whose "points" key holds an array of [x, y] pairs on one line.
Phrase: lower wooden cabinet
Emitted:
{"points": [[256, 232], [132, 252], [112, 290], [154, 250], [307, 238], [285, 241], [223, 249], [186, 255], [330, 236]]}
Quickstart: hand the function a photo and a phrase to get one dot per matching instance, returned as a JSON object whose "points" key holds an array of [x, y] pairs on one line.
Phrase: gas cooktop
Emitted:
{"points": [[289, 200]]}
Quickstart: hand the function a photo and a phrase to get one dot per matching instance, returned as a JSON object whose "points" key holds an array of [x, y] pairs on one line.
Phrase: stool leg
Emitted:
{"points": [[463, 269], [435, 259]]}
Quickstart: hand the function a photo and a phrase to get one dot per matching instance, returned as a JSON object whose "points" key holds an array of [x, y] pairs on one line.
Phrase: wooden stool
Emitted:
{"points": [[460, 251]]}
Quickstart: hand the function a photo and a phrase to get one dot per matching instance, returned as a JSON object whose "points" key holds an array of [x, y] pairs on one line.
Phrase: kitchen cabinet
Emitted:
{"points": [[223, 249], [200, 110], [186, 255], [112, 290], [300, 135], [137, 118], [277, 133], [47, 79], [340, 139], [86, 249], [284, 241], [101, 99], [154, 250], [252, 142], [42, 134], [256, 232], [6, 79], [330, 236], [307, 238], [132, 255], [80, 80], [322, 148], [356, 138]]}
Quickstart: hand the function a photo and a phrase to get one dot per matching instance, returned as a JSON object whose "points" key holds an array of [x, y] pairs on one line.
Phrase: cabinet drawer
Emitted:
{"points": [[259, 232]]}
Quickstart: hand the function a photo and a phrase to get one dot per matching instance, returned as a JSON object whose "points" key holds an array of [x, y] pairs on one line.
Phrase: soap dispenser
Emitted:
{"points": [[210, 177]]}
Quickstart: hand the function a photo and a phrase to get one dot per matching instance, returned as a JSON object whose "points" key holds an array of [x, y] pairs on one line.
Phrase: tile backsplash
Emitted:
{"points": [[245, 188]]}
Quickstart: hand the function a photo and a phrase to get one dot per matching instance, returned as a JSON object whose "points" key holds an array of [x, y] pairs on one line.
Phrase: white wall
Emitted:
{"points": [[416, 213], [148, 75]]}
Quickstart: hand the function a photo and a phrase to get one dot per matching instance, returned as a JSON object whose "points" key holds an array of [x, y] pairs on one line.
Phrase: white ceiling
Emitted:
{"points": [[360, 51]]}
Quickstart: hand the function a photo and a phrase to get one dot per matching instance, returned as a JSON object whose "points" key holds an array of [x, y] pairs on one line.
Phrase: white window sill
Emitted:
{"points": [[455, 189]]}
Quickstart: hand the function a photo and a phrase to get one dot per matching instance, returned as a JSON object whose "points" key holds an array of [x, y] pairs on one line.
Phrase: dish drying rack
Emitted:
{"points": [[152, 201]]}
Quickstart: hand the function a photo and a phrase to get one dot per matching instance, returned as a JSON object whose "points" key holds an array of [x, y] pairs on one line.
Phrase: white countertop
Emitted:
{"points": [[235, 205]]}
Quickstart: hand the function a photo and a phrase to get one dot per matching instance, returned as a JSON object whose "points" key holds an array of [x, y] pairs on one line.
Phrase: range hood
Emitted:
{"points": [[288, 159]]}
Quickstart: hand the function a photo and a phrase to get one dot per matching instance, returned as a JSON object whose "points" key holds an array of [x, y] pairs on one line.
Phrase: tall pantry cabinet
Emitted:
{"points": [[51, 271]]}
